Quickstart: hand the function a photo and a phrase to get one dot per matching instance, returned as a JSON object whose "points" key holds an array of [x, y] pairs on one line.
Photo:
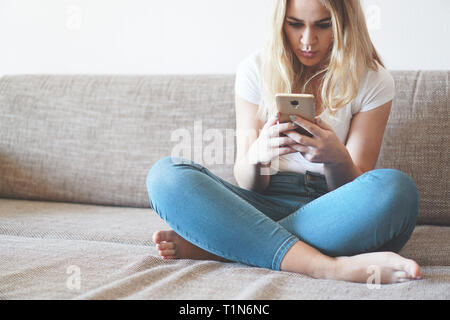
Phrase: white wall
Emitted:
{"points": [[410, 34], [195, 36]]}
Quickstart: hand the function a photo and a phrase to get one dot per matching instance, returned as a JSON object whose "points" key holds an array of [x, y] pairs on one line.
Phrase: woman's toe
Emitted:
{"points": [[161, 235], [170, 252], [414, 270], [165, 246]]}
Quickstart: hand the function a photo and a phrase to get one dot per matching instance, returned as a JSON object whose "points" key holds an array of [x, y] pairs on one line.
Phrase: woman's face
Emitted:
{"points": [[308, 30]]}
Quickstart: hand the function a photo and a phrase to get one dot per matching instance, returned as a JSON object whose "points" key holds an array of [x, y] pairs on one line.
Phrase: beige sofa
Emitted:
{"points": [[75, 219]]}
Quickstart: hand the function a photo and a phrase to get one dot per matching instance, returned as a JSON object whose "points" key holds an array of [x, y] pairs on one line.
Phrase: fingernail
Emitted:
{"points": [[292, 118], [294, 125]]}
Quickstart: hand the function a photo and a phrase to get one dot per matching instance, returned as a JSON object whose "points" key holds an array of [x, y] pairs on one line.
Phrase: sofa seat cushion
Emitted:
{"points": [[46, 246], [58, 220], [70, 221]]}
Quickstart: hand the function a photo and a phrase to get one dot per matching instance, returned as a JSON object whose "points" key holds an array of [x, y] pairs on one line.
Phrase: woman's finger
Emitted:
{"points": [[281, 151], [286, 150], [299, 148], [280, 141], [322, 123], [312, 128], [301, 139], [279, 129], [271, 121]]}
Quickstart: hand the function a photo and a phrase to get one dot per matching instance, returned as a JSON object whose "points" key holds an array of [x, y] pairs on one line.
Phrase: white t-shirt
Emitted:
{"points": [[376, 89]]}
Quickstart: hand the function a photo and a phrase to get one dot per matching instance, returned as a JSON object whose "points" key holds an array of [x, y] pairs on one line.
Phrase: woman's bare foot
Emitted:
{"points": [[379, 267], [386, 267], [172, 246]]}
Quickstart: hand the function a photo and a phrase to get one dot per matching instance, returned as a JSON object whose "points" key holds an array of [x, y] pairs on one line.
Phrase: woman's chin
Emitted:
{"points": [[313, 64], [308, 62]]}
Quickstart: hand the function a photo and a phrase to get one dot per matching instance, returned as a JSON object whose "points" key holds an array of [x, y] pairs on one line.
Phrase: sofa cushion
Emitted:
{"points": [[58, 220], [92, 139], [45, 247]]}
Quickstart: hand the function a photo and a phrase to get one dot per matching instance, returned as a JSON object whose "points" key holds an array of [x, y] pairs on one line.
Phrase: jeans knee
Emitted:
{"points": [[165, 176], [158, 170], [399, 192], [159, 174]]}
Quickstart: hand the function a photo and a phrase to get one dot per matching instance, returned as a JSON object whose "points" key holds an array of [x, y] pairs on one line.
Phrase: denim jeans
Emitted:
{"points": [[377, 211]]}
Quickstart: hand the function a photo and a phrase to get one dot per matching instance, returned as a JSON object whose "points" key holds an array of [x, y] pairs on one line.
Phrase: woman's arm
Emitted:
{"points": [[363, 144], [247, 174]]}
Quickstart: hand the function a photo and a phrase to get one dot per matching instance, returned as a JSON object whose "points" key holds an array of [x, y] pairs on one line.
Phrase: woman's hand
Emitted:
{"points": [[269, 144], [324, 147]]}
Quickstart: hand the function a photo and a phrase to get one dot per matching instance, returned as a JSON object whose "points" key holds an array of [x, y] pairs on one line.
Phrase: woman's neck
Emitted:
{"points": [[314, 83]]}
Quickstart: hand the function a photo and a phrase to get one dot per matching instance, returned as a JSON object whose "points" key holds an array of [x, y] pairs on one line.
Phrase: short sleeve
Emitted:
{"points": [[248, 79], [377, 88]]}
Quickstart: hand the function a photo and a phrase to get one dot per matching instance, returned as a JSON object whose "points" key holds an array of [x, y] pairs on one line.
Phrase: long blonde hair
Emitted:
{"points": [[351, 54]]}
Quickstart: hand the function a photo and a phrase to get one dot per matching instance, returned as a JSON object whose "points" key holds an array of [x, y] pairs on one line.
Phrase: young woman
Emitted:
{"points": [[324, 211]]}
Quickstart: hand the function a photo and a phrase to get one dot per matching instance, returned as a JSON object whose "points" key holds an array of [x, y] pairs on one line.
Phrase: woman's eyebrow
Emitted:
{"points": [[299, 20]]}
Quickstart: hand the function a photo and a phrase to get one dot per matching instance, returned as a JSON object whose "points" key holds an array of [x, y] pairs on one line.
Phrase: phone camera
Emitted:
{"points": [[295, 104]]}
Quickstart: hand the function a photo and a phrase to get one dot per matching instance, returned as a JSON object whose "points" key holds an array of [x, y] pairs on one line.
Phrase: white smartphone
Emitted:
{"points": [[302, 105]]}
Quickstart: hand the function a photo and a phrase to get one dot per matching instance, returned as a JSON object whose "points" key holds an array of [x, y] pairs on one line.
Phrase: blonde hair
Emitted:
{"points": [[351, 53]]}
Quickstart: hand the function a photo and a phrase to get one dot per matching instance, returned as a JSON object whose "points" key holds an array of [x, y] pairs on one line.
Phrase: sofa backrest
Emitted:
{"points": [[93, 139], [417, 141]]}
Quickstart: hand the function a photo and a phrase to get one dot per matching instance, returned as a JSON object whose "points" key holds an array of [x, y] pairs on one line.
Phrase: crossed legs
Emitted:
{"points": [[211, 222]]}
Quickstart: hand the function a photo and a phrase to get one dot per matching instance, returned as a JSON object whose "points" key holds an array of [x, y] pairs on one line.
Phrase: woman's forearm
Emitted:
{"points": [[251, 176], [338, 174]]}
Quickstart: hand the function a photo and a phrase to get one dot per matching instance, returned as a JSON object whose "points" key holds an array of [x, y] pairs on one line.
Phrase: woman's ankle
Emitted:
{"points": [[304, 259], [325, 267]]}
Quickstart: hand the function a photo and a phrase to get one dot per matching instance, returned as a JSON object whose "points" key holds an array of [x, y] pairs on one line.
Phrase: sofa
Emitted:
{"points": [[75, 218]]}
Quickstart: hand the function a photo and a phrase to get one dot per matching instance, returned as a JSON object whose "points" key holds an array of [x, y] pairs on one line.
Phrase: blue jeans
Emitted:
{"points": [[375, 212]]}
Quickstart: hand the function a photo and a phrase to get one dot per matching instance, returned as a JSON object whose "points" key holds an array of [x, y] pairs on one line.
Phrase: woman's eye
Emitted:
{"points": [[325, 26], [298, 25], [295, 25]]}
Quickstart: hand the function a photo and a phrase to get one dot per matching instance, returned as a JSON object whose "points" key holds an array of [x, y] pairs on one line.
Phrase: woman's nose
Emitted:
{"points": [[307, 38]]}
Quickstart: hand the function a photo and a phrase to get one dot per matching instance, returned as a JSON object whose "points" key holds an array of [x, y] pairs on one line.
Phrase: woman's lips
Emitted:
{"points": [[308, 54]]}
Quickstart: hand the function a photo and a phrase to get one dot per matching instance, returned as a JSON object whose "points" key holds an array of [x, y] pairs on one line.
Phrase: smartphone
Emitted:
{"points": [[302, 105]]}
